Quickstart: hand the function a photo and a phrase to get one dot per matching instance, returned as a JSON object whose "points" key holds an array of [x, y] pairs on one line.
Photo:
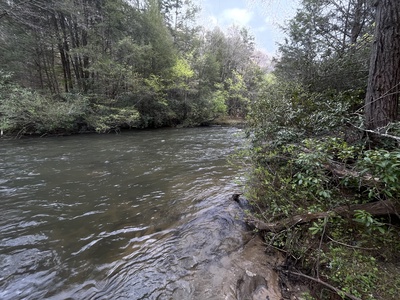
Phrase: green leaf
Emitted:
{"points": [[381, 229]]}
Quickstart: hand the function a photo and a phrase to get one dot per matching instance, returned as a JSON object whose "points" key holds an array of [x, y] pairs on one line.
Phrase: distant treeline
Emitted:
{"points": [[80, 65]]}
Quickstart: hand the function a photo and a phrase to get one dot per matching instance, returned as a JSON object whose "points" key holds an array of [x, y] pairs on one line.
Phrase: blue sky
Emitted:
{"points": [[261, 17]]}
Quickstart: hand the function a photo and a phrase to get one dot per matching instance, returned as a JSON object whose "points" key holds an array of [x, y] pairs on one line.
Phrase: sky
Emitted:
{"points": [[261, 17]]}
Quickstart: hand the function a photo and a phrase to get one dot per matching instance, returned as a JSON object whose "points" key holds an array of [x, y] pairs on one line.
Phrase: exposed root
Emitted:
{"points": [[379, 208]]}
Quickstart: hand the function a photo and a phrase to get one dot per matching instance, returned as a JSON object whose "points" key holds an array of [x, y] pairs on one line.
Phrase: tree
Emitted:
{"points": [[327, 45], [180, 17], [119, 55], [381, 101], [180, 87], [237, 95]]}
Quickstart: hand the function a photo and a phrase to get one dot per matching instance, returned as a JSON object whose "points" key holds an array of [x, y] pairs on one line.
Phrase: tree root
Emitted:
{"points": [[379, 208]]}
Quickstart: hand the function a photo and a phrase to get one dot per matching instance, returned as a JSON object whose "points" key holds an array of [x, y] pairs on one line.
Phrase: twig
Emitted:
{"points": [[388, 93], [320, 245], [331, 287], [277, 248], [350, 246], [378, 133], [20, 133]]}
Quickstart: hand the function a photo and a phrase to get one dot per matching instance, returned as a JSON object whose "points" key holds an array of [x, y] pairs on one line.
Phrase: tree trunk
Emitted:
{"points": [[358, 21], [381, 102], [66, 50]]}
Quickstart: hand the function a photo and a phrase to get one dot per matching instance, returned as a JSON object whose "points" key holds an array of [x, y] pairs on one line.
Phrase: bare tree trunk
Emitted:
{"points": [[381, 102], [66, 50], [358, 21], [63, 54]]}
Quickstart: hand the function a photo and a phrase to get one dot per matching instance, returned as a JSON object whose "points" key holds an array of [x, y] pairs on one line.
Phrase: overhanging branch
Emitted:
{"points": [[386, 135]]}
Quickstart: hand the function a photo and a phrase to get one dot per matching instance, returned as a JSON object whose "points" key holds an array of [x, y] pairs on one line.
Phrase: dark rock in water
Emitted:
{"points": [[235, 197], [243, 203]]}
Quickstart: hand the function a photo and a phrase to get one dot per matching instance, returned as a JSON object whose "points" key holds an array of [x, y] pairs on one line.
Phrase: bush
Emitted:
{"points": [[303, 165], [30, 112], [104, 118]]}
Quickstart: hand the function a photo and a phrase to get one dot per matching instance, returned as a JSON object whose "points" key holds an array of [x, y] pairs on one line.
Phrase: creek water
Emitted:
{"points": [[138, 215]]}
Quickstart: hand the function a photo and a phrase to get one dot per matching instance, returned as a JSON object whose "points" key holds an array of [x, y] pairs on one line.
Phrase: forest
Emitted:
{"points": [[322, 121], [100, 65]]}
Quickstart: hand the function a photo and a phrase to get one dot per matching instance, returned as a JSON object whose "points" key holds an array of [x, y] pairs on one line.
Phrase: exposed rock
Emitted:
{"points": [[251, 286], [253, 277]]}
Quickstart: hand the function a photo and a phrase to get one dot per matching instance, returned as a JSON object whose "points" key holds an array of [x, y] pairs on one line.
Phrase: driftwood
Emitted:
{"points": [[379, 208]]}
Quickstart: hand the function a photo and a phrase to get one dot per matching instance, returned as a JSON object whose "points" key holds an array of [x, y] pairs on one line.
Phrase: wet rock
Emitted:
{"points": [[257, 279], [243, 203], [252, 286], [246, 274]]}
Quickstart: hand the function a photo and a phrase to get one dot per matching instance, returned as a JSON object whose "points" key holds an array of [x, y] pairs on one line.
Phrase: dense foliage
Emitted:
{"points": [[84, 65], [327, 187]]}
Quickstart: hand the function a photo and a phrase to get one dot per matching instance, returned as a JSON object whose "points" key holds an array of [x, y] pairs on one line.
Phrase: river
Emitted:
{"points": [[136, 215]]}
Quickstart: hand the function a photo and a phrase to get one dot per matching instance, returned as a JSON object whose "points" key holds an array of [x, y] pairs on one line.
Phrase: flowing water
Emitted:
{"points": [[139, 215]]}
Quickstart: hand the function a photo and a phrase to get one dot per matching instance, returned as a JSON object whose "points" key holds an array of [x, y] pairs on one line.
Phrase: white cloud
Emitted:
{"points": [[238, 16]]}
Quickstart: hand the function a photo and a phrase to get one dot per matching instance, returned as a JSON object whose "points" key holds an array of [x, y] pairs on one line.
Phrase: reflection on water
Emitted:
{"points": [[132, 216]]}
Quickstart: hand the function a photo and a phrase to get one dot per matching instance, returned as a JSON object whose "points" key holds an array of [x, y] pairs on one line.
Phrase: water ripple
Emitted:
{"points": [[133, 216]]}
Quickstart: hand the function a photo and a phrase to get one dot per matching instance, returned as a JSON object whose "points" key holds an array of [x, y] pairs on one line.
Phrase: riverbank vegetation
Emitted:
{"points": [[323, 127], [325, 150], [82, 65]]}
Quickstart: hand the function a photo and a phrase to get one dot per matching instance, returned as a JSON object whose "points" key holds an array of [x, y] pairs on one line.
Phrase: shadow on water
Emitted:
{"points": [[141, 215]]}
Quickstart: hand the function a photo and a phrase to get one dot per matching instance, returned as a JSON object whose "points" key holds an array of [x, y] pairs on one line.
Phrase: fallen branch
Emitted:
{"points": [[351, 246], [340, 170], [378, 133], [331, 287], [382, 134], [379, 208]]}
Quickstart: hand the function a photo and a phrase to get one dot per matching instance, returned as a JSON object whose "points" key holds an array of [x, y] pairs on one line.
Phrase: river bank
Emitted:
{"points": [[229, 121], [144, 213], [221, 121]]}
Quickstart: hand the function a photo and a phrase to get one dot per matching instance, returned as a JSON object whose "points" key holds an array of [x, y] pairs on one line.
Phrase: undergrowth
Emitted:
{"points": [[322, 167]]}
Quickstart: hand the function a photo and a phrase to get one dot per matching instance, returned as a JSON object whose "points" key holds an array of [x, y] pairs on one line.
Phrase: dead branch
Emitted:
{"points": [[351, 246], [377, 133], [379, 208], [331, 287], [340, 170]]}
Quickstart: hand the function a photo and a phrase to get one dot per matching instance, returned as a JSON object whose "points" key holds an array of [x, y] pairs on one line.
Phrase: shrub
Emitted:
{"points": [[30, 112]]}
